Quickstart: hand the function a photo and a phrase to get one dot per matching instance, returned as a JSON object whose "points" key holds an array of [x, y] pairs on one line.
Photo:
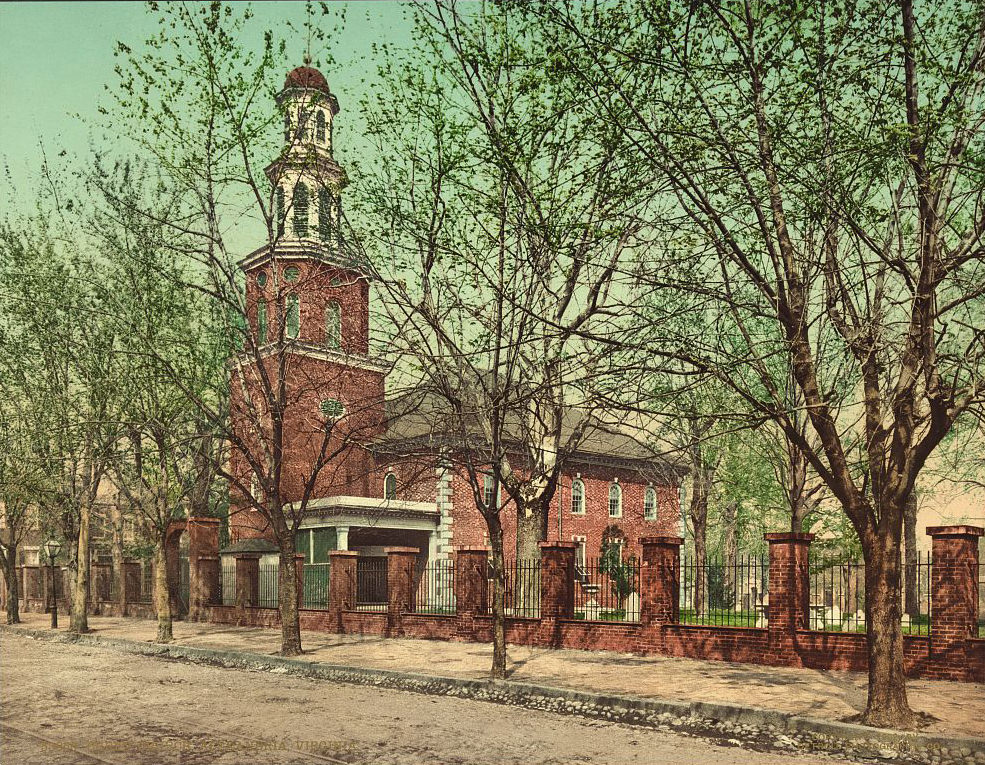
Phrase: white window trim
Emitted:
{"points": [[291, 297], [390, 476], [487, 482], [651, 514], [583, 493], [618, 513]]}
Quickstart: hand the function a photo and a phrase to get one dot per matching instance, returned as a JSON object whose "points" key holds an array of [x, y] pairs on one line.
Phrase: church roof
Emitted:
{"points": [[422, 421]]}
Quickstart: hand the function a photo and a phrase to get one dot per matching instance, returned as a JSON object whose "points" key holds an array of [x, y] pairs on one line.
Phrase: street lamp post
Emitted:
{"points": [[53, 547]]}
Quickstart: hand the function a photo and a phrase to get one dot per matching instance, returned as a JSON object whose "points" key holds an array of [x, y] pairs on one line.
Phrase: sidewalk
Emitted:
{"points": [[958, 707]]}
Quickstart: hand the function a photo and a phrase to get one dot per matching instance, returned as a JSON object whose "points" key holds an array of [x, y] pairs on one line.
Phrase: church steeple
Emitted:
{"points": [[307, 180], [307, 274]]}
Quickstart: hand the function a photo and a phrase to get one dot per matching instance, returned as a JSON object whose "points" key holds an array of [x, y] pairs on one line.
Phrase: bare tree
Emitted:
{"points": [[63, 363], [210, 130], [825, 164], [501, 194]]}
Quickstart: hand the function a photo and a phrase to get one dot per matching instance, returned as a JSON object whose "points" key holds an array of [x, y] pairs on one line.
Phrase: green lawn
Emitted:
{"points": [[719, 618]]}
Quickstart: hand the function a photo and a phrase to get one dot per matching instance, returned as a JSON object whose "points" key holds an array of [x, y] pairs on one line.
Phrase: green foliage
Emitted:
{"points": [[621, 573]]}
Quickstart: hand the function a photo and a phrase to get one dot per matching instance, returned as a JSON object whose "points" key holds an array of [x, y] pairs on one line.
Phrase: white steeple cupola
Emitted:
{"points": [[306, 178]]}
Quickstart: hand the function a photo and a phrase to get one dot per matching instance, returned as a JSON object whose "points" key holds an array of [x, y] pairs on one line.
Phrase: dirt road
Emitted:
{"points": [[75, 704]]}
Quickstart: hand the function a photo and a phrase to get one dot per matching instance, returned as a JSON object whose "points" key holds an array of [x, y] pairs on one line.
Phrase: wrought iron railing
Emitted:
{"points": [[837, 595], [227, 574], [146, 584], [315, 589], [608, 590], [521, 597], [725, 592], [371, 584], [268, 589], [435, 591]]}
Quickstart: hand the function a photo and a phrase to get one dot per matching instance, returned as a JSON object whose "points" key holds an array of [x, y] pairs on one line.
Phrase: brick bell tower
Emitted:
{"points": [[307, 275]]}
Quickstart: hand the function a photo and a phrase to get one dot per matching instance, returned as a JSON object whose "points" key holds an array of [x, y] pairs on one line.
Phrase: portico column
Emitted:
{"points": [[341, 537]]}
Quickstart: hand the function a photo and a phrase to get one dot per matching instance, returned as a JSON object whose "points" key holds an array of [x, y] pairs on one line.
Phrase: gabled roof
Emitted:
{"points": [[424, 422]]}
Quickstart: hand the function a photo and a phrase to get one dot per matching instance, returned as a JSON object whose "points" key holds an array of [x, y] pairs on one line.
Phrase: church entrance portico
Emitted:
{"points": [[368, 526]]}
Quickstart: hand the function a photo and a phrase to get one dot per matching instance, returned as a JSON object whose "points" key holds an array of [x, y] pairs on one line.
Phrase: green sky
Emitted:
{"points": [[57, 58]]}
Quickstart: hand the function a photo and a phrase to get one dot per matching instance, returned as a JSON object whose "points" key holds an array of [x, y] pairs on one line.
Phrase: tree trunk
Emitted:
{"points": [[730, 517], [700, 570], [887, 705], [531, 530], [498, 669], [798, 512], [287, 601], [702, 476], [10, 577], [119, 586], [79, 622], [162, 592], [910, 551]]}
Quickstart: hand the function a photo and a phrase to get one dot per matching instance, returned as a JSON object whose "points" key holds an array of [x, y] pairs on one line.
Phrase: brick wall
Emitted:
{"points": [[950, 651]]}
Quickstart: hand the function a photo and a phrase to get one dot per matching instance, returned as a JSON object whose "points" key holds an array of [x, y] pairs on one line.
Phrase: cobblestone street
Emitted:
{"points": [[75, 704]]}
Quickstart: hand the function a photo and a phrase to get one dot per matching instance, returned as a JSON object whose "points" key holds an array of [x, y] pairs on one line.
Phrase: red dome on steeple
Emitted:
{"points": [[306, 77]]}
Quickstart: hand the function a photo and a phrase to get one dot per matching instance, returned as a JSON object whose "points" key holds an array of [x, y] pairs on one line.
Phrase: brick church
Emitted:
{"points": [[387, 485]]}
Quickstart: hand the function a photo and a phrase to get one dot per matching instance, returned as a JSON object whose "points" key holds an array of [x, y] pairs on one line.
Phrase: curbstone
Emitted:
{"points": [[730, 724]]}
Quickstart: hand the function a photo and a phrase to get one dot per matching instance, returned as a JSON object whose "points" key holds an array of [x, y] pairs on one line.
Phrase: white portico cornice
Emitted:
{"points": [[302, 249], [312, 351], [370, 511]]}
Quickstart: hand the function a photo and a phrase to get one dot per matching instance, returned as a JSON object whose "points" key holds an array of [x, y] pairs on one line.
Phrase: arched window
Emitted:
{"points": [[262, 322], [390, 486], [306, 124], [256, 490], [333, 324], [577, 497], [293, 317], [615, 500], [279, 206], [287, 127], [487, 491], [301, 211], [320, 126], [650, 503], [292, 273], [324, 214]]}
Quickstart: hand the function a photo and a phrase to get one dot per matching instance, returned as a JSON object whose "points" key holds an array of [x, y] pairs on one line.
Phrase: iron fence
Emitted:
{"points": [[227, 574], [268, 586], [435, 591], [315, 585], [184, 582], [837, 595], [371, 584], [607, 590], [725, 592], [146, 583], [521, 595]]}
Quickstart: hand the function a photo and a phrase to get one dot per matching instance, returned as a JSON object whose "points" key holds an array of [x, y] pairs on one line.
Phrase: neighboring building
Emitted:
{"points": [[389, 487]]}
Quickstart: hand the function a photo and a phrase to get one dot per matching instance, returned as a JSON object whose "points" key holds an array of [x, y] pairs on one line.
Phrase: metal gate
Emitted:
{"points": [[371, 585], [184, 584]]}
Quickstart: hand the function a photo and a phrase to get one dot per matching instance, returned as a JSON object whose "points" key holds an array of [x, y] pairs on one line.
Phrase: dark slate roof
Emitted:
{"points": [[422, 421], [252, 544]]}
